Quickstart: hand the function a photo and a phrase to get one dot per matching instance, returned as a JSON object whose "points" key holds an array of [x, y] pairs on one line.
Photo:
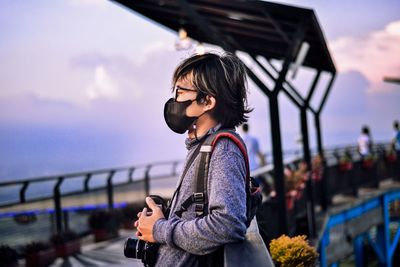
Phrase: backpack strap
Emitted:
{"points": [[188, 164], [199, 197]]}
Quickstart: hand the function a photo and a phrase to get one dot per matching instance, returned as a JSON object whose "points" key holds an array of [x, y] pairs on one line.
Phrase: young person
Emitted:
{"points": [[364, 142], [209, 95]]}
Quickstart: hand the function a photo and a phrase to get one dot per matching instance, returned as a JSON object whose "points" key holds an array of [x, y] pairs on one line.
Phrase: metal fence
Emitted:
{"points": [[344, 172], [68, 197], [34, 209]]}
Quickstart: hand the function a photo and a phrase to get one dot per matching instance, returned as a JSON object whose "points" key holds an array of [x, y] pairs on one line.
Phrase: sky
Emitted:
{"points": [[83, 84]]}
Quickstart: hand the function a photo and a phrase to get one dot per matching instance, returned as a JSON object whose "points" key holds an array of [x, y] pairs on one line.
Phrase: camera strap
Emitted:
{"points": [[187, 166]]}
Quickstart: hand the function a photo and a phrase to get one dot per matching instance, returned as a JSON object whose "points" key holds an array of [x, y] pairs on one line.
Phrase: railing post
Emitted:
{"points": [[57, 204], [130, 175], [175, 164], [322, 248], [309, 183], [110, 193], [22, 192], [86, 182], [147, 180], [323, 194], [358, 250], [66, 220], [386, 230]]}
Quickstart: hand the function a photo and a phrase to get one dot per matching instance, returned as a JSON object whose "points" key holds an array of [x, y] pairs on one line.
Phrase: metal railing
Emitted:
{"points": [[348, 230], [333, 181], [336, 180], [87, 177]]}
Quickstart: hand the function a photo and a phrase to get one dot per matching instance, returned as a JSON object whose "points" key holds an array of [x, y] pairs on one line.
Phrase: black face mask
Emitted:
{"points": [[175, 115]]}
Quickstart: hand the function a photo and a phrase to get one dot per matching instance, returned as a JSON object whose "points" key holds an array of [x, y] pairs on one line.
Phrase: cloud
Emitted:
{"points": [[375, 55], [350, 105], [102, 86], [114, 77]]}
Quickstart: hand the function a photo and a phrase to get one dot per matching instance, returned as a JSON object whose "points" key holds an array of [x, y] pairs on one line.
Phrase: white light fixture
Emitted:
{"points": [[182, 33], [183, 42], [301, 55]]}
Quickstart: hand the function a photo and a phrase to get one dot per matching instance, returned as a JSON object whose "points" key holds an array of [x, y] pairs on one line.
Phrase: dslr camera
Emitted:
{"points": [[145, 251]]}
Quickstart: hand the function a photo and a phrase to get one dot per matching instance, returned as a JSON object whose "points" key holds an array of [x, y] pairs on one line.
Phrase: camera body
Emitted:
{"points": [[146, 251]]}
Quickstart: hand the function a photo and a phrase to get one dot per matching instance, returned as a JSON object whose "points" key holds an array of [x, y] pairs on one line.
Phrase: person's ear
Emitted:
{"points": [[209, 103]]}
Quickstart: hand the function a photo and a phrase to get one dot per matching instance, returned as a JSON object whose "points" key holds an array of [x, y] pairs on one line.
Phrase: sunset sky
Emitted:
{"points": [[83, 84]]}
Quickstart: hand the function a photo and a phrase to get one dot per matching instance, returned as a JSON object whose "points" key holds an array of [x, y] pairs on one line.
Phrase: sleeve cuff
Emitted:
{"points": [[163, 232], [159, 231]]}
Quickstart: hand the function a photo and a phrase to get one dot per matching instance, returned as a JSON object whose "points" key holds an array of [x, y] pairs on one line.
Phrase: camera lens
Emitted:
{"points": [[133, 248]]}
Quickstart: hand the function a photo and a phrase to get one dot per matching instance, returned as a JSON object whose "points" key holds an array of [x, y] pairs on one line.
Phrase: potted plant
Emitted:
{"points": [[292, 252], [39, 254], [8, 256], [391, 156], [66, 243], [369, 161], [345, 162], [104, 224], [317, 168]]}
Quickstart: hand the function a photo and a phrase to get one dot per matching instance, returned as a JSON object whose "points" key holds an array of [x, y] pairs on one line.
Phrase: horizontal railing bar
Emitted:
{"points": [[68, 194], [84, 173], [161, 163], [332, 152]]}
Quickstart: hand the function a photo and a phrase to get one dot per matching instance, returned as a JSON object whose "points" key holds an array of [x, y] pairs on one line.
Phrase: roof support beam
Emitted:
{"points": [[318, 114], [292, 93], [312, 89], [297, 102], [307, 158], [310, 202], [289, 85], [327, 91], [258, 82], [276, 127]]}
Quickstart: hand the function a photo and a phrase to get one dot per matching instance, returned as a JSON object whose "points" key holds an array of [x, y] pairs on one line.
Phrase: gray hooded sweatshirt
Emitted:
{"points": [[182, 239]]}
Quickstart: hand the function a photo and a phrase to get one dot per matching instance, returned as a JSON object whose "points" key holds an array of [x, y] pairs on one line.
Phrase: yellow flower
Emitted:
{"points": [[293, 252]]}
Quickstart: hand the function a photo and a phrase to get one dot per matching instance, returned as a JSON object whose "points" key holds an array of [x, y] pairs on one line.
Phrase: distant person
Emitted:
{"points": [[253, 149], [396, 138], [365, 142], [254, 152]]}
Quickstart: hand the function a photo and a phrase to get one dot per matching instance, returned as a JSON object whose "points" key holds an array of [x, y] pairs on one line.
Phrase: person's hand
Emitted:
{"points": [[136, 223], [146, 221]]}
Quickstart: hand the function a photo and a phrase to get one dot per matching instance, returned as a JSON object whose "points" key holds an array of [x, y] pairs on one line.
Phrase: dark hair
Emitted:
{"points": [[222, 77], [365, 130], [396, 125]]}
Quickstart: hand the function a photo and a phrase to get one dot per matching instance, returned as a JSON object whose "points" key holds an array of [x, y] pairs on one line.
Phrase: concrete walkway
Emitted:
{"points": [[107, 253]]}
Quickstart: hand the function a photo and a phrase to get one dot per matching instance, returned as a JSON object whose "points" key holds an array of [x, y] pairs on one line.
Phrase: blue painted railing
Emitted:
{"points": [[372, 212]]}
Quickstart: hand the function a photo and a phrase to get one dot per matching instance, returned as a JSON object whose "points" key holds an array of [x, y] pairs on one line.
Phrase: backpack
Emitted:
{"points": [[200, 198]]}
